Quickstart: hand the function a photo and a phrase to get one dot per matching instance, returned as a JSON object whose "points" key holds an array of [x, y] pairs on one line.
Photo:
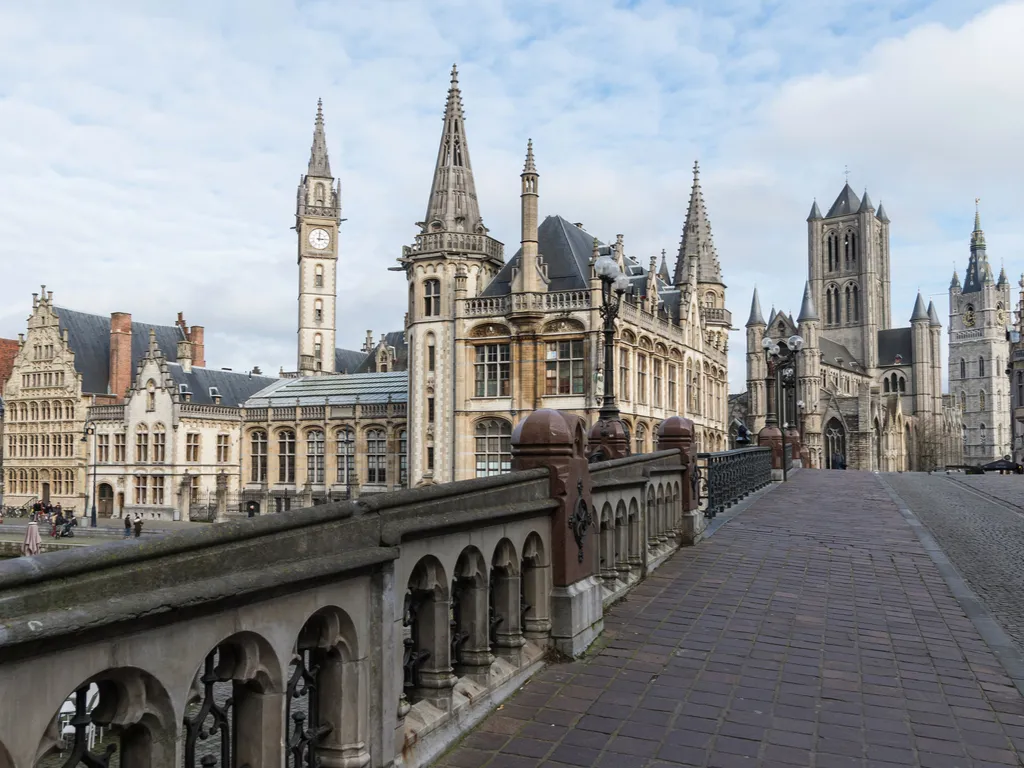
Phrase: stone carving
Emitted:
{"points": [[580, 520]]}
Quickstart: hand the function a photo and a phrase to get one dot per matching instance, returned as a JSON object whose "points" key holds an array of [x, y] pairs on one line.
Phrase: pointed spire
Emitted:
{"points": [[882, 215], [865, 202], [807, 310], [815, 213], [1003, 279], [529, 166], [453, 206], [920, 311], [845, 204], [979, 272], [319, 164], [955, 282], [977, 215], [697, 245], [933, 316], [663, 274], [755, 311], [772, 315]]}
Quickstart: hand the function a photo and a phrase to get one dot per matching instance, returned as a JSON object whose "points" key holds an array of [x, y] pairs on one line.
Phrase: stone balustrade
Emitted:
{"points": [[369, 633], [209, 411], [716, 316], [460, 242], [105, 413]]}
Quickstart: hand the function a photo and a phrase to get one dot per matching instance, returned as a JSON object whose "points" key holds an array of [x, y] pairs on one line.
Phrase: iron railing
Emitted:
{"points": [[722, 479]]}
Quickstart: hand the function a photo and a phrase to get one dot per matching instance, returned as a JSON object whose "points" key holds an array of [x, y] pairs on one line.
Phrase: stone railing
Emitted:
{"points": [[210, 411], [105, 413], [555, 301], [716, 316], [312, 412], [723, 479], [368, 633], [635, 315], [487, 306], [460, 242], [256, 414]]}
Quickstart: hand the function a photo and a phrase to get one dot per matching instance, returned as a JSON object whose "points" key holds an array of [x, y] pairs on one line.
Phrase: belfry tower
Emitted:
{"points": [[317, 216]]}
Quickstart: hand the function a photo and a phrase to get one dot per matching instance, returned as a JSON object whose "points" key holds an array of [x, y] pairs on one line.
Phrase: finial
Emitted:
{"points": [[455, 75], [529, 167], [977, 215], [696, 169], [846, 172]]}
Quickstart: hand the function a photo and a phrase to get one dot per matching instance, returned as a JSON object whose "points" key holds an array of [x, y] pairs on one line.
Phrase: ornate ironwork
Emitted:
{"points": [[81, 721], [723, 479], [307, 731], [196, 729], [458, 637], [413, 656], [580, 520]]}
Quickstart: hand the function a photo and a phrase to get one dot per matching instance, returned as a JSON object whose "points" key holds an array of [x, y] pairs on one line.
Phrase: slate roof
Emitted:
{"points": [[89, 339], [334, 390], [895, 341], [347, 360], [566, 250], [8, 351], [833, 351], [234, 387], [350, 361], [846, 203]]}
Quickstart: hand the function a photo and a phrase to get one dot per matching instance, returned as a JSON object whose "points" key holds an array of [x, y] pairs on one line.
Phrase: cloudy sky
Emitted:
{"points": [[149, 151]]}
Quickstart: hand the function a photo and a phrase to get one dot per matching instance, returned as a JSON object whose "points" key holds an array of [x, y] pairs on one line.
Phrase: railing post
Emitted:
{"points": [[793, 443], [676, 432], [556, 440]]}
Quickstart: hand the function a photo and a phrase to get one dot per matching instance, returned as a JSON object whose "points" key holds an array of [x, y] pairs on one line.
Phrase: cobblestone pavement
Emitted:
{"points": [[982, 538], [813, 630]]}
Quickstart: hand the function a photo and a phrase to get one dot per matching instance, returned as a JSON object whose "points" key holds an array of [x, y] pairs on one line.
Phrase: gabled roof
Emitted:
{"points": [[566, 250], [334, 390], [845, 204], [89, 339], [893, 343], [836, 355], [8, 351], [348, 360], [234, 387]]}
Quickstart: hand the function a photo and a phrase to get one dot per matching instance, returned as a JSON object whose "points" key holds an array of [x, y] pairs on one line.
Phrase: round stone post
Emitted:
{"points": [[676, 432], [793, 444]]}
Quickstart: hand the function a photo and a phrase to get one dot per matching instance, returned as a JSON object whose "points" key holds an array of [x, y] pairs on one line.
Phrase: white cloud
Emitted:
{"points": [[149, 156]]}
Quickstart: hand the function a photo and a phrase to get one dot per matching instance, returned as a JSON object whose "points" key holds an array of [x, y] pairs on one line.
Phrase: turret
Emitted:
{"points": [[809, 369], [756, 369], [935, 334], [529, 277], [921, 344]]}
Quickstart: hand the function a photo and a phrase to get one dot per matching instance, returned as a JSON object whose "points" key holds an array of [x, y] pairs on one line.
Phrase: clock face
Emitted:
{"points": [[1000, 317], [319, 239], [969, 317]]}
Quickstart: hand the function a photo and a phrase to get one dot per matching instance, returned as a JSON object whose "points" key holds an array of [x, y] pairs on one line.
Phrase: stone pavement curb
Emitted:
{"points": [[989, 629]]}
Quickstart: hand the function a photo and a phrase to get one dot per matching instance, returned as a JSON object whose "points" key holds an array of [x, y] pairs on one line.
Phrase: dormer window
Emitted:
{"points": [[214, 392], [183, 389]]}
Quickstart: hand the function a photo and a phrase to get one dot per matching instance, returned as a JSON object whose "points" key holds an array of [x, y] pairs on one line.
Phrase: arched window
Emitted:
{"points": [[981, 365], [141, 444], [45, 410], [258, 449], [856, 304], [318, 276], [981, 400], [318, 193], [318, 311], [318, 343], [403, 457], [34, 411], [835, 444], [828, 247], [903, 384], [346, 453], [376, 457], [885, 384], [641, 439], [849, 304], [160, 444], [58, 411], [493, 447], [431, 353], [432, 298], [893, 383], [315, 456], [828, 305], [286, 456], [963, 368]]}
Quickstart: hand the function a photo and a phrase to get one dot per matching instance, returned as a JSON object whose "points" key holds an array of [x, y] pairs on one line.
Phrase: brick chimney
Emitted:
{"points": [[195, 335], [120, 354]]}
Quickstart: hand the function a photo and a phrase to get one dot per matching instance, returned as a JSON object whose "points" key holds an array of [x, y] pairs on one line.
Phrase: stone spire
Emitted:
{"points": [[955, 282], [807, 310], [881, 214], [933, 316], [319, 164], [815, 213], [663, 274], [865, 203], [920, 311], [453, 206], [755, 311], [979, 272], [697, 244], [1003, 279]]}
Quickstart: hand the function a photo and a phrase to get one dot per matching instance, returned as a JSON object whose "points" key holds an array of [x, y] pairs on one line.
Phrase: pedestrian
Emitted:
{"points": [[127, 525], [138, 525]]}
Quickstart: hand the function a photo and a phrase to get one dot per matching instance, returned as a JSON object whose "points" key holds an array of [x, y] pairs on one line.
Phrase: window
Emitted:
{"points": [[672, 384], [403, 458], [150, 395], [431, 355], [45, 446], [34, 411], [346, 456], [141, 489], [624, 374], [493, 368], [981, 366], [193, 489], [141, 445], [318, 344], [102, 448], [430, 458], [641, 378], [286, 456], [430, 410], [119, 448], [982, 436], [493, 447], [258, 449], [564, 374], [192, 446], [981, 401], [223, 449], [318, 311], [318, 276], [657, 382], [315, 457], [376, 456], [157, 486], [45, 410], [1020, 388], [641, 438], [159, 445], [691, 395], [432, 298], [963, 368]]}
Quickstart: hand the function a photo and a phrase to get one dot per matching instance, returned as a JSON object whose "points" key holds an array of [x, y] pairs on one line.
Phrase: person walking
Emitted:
{"points": [[127, 525], [138, 525]]}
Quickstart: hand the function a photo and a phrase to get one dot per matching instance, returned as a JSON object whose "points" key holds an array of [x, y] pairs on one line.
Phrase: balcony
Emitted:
{"points": [[716, 316], [455, 242]]}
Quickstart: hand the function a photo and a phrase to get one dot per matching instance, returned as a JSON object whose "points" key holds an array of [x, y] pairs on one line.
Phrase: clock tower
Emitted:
{"points": [[317, 216]]}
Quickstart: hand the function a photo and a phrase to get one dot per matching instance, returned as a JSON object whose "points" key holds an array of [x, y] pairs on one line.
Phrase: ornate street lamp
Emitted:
{"points": [[781, 359], [608, 435], [90, 429]]}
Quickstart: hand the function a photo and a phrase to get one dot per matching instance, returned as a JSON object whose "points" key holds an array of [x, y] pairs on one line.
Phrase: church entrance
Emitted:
{"points": [[835, 444], [106, 500]]}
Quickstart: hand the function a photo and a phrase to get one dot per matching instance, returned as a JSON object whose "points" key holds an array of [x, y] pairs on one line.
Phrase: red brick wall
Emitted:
{"points": [[8, 350]]}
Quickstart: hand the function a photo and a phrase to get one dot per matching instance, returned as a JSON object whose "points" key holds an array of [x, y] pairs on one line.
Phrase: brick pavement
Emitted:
{"points": [[812, 630]]}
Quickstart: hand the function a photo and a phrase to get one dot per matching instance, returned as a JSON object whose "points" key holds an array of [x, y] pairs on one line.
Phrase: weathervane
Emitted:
{"points": [[846, 171]]}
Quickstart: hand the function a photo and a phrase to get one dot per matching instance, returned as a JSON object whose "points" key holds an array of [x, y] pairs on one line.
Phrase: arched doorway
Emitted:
{"points": [[835, 444], [105, 500]]}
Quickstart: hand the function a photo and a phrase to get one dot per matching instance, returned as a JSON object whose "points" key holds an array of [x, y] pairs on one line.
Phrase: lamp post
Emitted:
{"points": [[90, 429], [781, 359], [608, 438]]}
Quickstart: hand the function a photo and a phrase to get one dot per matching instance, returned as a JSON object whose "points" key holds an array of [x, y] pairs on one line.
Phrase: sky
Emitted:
{"points": [[150, 152]]}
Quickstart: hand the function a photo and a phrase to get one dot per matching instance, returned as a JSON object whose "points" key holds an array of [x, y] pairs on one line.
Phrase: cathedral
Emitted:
{"points": [[867, 395]]}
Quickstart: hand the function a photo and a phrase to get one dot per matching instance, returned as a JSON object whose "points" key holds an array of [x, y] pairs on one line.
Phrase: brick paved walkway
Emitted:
{"points": [[813, 630]]}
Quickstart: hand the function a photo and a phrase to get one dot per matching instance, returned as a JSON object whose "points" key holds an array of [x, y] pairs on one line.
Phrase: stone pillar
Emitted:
{"points": [[184, 497], [537, 620], [622, 547], [259, 719], [793, 444], [435, 676], [677, 432], [770, 436], [343, 701], [475, 655], [548, 438], [508, 640], [222, 498]]}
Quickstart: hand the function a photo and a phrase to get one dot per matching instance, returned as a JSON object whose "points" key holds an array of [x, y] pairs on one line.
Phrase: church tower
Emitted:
{"points": [[848, 266], [317, 216], [978, 315], [809, 377], [453, 257], [757, 369]]}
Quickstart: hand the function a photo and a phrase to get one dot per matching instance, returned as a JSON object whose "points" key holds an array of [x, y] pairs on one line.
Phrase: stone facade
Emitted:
{"points": [[1015, 375], [979, 318], [866, 395]]}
